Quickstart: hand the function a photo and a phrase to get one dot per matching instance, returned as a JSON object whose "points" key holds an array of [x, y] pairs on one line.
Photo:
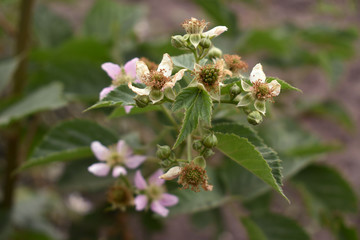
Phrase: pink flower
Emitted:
{"points": [[153, 194], [120, 75], [115, 158]]}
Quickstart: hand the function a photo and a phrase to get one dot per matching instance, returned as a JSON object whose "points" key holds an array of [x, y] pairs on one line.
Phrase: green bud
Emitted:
{"points": [[163, 152], [208, 153], [141, 101], [215, 53], [210, 141], [254, 118], [178, 41], [156, 95], [205, 43], [197, 145], [200, 161], [234, 91]]}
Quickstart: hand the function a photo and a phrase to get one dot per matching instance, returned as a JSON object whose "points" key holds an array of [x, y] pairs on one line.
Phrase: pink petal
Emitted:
{"points": [[105, 92], [140, 182], [159, 209], [154, 178], [100, 151], [140, 202], [121, 147], [111, 69], [99, 169], [118, 170], [128, 108], [168, 200], [130, 67], [134, 161]]}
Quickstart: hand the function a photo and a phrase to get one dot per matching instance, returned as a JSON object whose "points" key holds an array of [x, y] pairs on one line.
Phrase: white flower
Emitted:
{"points": [[172, 173]]}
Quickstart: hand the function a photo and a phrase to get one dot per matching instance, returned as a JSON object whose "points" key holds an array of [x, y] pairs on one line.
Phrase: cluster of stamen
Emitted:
{"points": [[154, 192], [194, 26], [155, 79], [193, 176], [234, 63], [262, 91], [122, 78], [209, 77], [114, 158], [151, 65], [120, 197]]}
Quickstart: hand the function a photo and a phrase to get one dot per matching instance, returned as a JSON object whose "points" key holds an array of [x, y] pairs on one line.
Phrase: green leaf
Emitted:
{"points": [[108, 20], [327, 187], [120, 111], [284, 85], [120, 96], [46, 98], [48, 35], [271, 226], [7, 69], [67, 141], [198, 105], [245, 154], [186, 61]]}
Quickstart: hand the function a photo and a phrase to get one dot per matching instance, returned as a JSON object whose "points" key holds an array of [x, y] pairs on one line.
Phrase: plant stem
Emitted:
{"points": [[189, 147], [169, 116]]}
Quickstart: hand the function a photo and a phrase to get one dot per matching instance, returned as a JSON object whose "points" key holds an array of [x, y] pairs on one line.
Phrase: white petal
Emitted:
{"points": [[166, 65], [139, 91], [216, 31], [99, 169], [257, 74], [141, 70], [274, 87], [118, 170], [172, 173], [179, 75], [100, 151]]}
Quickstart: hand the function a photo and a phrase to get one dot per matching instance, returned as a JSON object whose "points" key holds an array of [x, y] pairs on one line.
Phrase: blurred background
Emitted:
{"points": [[313, 44]]}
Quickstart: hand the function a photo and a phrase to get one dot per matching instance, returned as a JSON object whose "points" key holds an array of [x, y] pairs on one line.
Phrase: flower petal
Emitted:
{"points": [[140, 202], [134, 161], [113, 70], [274, 87], [245, 86], [121, 147], [260, 106], [139, 91], [154, 178], [118, 170], [130, 67], [168, 200], [159, 209], [105, 92], [140, 182], [99, 169], [216, 31], [141, 70], [172, 173], [166, 65], [128, 108], [257, 74], [100, 151], [179, 75]]}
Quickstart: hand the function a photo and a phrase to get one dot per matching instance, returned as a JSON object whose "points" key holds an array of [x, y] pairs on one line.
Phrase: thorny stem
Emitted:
{"points": [[14, 154]]}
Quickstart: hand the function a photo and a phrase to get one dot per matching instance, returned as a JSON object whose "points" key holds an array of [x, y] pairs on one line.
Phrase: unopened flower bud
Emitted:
{"points": [[254, 118], [205, 43], [156, 95], [214, 53], [141, 101], [163, 152], [197, 145], [234, 91], [173, 172], [200, 161], [178, 41], [210, 141], [208, 153]]}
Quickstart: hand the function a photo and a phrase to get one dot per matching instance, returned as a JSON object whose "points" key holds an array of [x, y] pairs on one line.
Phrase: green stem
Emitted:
{"points": [[169, 116], [189, 147]]}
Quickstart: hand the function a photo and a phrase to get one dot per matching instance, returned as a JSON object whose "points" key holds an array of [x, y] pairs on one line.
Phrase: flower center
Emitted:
{"points": [[194, 26], [262, 90], [209, 75], [154, 192], [156, 79], [235, 63], [192, 176], [122, 78], [115, 159]]}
